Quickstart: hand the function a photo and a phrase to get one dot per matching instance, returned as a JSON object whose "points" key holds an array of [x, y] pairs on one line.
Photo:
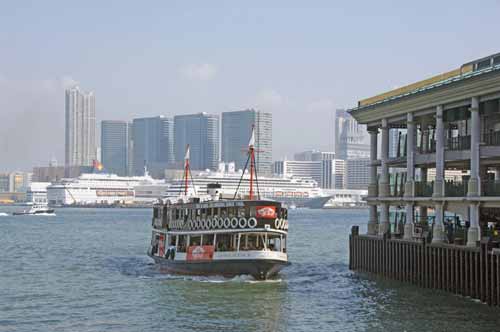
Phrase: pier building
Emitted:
{"points": [[446, 125]]}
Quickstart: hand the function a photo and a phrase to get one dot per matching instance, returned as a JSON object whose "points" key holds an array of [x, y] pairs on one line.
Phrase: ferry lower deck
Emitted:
{"points": [[259, 252]]}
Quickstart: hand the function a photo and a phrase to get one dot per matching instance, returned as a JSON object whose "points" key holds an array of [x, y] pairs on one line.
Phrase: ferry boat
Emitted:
{"points": [[36, 209], [207, 235]]}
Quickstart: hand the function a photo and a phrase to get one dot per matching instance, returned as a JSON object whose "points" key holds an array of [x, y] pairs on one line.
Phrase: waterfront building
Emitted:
{"points": [[19, 181], [314, 155], [114, 146], [201, 132], [357, 173], [351, 140], [153, 144], [37, 193], [80, 128], [4, 182], [450, 122], [236, 131]]}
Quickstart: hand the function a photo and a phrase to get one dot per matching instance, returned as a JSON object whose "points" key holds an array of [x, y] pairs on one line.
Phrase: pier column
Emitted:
{"points": [[372, 221], [384, 225], [473, 235], [383, 188], [410, 174], [373, 186], [438, 231], [474, 181], [410, 156], [408, 230], [439, 182]]}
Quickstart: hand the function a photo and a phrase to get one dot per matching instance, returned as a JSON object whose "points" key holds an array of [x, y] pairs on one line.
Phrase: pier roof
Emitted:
{"points": [[466, 72]]}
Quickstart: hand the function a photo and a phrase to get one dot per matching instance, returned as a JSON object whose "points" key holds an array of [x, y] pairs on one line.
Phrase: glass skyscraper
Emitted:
{"points": [[236, 131], [351, 139], [114, 146], [153, 144], [80, 128], [201, 132]]}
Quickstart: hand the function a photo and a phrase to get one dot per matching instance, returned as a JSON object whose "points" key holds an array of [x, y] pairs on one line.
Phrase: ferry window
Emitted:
{"points": [[181, 244], [155, 212], [231, 212], [496, 60], [166, 215], [274, 242], [195, 240], [223, 212], [207, 240], [225, 242], [241, 212], [176, 213], [172, 240], [253, 211], [249, 242]]}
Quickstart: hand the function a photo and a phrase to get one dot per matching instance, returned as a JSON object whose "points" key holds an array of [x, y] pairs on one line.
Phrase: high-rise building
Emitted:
{"points": [[130, 151], [114, 146], [153, 145], [351, 140], [356, 173], [314, 155], [201, 132], [236, 131], [80, 128]]}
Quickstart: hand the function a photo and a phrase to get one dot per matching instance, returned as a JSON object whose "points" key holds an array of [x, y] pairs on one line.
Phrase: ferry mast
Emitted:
{"points": [[253, 169]]}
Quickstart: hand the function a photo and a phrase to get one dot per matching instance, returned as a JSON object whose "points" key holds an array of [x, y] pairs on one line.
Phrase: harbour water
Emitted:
{"points": [[87, 270]]}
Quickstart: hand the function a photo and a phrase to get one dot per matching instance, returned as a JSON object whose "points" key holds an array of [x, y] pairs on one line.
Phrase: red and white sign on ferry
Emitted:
{"points": [[198, 253], [266, 212]]}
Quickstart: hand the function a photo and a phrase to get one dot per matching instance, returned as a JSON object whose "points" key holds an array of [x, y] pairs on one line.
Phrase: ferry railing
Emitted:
{"points": [[424, 189], [456, 188]]}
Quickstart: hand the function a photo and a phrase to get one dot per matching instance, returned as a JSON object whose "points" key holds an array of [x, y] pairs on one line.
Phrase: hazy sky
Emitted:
{"points": [[298, 60]]}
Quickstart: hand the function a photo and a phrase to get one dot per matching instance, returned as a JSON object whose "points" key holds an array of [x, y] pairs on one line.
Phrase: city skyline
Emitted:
{"points": [[171, 63]]}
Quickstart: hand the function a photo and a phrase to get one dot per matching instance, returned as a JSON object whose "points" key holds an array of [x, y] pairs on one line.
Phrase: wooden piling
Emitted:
{"points": [[458, 269]]}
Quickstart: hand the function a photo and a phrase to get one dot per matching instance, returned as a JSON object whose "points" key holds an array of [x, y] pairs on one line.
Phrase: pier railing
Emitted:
{"points": [[458, 269], [490, 188], [456, 188], [424, 189], [491, 138], [458, 143]]}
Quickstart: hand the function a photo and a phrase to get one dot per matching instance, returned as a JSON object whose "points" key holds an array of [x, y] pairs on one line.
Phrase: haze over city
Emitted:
{"points": [[298, 62]]}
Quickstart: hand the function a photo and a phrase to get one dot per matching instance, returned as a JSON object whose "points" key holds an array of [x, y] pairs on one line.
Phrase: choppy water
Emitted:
{"points": [[86, 270]]}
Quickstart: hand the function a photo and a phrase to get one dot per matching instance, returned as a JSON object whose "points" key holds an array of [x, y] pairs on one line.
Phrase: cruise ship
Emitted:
{"points": [[105, 189], [289, 190]]}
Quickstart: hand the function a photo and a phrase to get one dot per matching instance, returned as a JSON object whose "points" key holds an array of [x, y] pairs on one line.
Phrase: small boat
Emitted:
{"points": [[36, 210], [208, 235]]}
